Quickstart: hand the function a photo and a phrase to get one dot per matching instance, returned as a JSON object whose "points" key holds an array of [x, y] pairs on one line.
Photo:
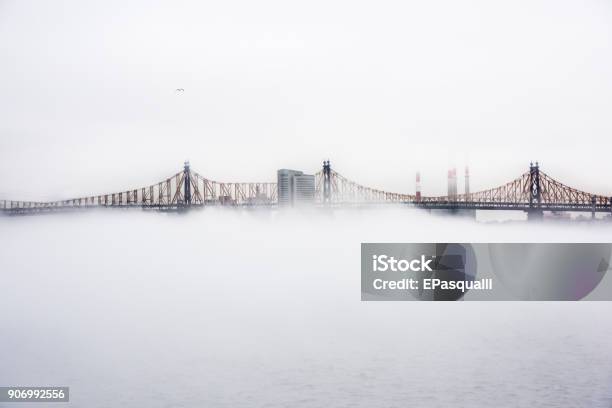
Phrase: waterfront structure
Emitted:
{"points": [[452, 184], [534, 192], [467, 181], [295, 188]]}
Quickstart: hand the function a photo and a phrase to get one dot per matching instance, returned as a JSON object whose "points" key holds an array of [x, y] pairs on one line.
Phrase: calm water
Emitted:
{"points": [[236, 309]]}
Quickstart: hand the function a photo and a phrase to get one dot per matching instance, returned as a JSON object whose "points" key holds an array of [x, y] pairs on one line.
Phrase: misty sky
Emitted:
{"points": [[88, 102]]}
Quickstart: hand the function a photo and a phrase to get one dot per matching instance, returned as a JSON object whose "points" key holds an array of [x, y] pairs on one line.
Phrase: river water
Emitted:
{"points": [[259, 309]]}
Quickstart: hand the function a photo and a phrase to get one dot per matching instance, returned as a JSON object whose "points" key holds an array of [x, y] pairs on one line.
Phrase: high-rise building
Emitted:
{"points": [[295, 188], [304, 189], [284, 186]]}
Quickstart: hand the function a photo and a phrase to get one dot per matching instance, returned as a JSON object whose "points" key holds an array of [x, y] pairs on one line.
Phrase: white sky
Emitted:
{"points": [[88, 102]]}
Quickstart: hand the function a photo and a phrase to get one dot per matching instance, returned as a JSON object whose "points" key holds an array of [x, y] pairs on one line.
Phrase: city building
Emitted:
{"points": [[295, 188]]}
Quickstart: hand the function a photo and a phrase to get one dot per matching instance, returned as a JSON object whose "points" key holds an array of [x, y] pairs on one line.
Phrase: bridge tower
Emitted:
{"points": [[326, 182], [535, 193], [187, 184], [418, 186]]}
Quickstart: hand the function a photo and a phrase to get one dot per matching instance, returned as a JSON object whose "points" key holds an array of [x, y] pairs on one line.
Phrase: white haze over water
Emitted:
{"points": [[252, 309], [231, 308]]}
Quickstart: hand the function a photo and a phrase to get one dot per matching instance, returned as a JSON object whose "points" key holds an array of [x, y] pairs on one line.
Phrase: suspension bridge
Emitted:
{"points": [[533, 192]]}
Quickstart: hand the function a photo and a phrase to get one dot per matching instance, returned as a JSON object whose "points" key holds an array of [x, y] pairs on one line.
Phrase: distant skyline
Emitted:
{"points": [[89, 101]]}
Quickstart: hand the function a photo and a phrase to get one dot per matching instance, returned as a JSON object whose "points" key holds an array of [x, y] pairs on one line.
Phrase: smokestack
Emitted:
{"points": [[418, 186], [467, 182], [452, 184]]}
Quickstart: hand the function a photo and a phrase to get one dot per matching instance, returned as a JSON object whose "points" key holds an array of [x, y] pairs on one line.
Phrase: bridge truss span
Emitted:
{"points": [[205, 191], [515, 191], [343, 191], [182, 190], [534, 191]]}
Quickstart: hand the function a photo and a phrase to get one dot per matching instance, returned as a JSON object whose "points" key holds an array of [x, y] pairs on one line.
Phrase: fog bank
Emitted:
{"points": [[237, 308]]}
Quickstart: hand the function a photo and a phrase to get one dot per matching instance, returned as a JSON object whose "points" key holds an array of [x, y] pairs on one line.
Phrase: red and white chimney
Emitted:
{"points": [[452, 184], [467, 182]]}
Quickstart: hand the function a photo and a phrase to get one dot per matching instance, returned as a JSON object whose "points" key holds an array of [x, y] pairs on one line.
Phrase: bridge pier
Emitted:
{"points": [[535, 215], [535, 194], [453, 210], [469, 213]]}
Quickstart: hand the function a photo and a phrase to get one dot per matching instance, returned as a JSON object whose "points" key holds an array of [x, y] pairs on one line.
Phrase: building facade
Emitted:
{"points": [[295, 188]]}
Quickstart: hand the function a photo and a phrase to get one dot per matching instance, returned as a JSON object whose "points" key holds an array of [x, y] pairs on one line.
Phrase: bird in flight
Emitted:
{"points": [[180, 90]]}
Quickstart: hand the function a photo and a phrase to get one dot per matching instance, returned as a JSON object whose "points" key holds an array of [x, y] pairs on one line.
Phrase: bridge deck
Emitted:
{"points": [[438, 205]]}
